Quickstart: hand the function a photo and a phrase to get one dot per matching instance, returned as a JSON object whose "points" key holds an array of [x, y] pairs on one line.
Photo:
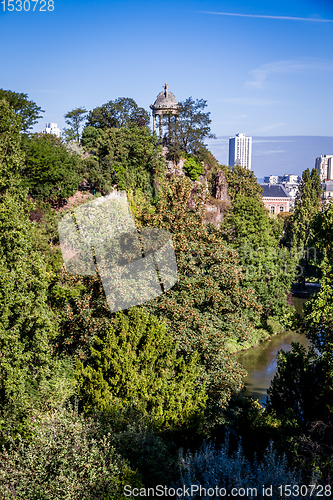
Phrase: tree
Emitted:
{"points": [[75, 119], [307, 205], [193, 167], [136, 364], [128, 156], [27, 110], [242, 181], [318, 311], [269, 269], [11, 156], [50, 172], [299, 232], [298, 384], [207, 309], [192, 126], [119, 113], [64, 457]]}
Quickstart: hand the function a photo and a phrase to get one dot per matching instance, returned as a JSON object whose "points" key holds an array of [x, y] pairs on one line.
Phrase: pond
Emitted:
{"points": [[261, 363]]}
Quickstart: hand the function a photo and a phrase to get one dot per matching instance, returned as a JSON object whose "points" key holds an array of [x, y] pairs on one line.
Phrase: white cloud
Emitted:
{"points": [[268, 139], [289, 18], [251, 101], [269, 127], [268, 152], [260, 75]]}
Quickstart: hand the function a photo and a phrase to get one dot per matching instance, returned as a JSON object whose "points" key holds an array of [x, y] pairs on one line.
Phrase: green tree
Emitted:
{"points": [[27, 110], [299, 384], [90, 136], [301, 396], [118, 113], [136, 364], [307, 204], [207, 310], [269, 269], [11, 156], [318, 311], [128, 156], [65, 457], [50, 172], [241, 181], [193, 167], [192, 127], [75, 119]]}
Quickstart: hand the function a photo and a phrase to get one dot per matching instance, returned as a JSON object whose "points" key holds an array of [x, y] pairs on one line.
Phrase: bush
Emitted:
{"points": [[63, 461], [193, 167], [209, 467], [136, 364]]}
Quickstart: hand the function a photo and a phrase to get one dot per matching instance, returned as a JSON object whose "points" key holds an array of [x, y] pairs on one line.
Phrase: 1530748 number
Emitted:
{"points": [[26, 5]]}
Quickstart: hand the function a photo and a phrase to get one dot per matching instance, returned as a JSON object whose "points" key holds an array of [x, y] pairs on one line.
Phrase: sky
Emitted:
{"points": [[264, 68]]}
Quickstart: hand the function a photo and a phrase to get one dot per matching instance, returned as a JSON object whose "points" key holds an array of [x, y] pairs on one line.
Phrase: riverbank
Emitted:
{"points": [[261, 363], [258, 337], [299, 294]]}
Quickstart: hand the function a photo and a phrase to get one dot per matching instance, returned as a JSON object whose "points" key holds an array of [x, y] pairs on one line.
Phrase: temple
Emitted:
{"points": [[165, 105]]}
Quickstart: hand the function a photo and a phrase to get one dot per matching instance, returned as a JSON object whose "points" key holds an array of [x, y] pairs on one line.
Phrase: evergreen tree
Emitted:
{"points": [[136, 363], [299, 231], [128, 156], [269, 268], [11, 156], [119, 113]]}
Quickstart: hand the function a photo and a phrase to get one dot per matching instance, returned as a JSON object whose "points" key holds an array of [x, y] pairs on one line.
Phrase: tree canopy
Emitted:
{"points": [[27, 110], [193, 124], [119, 113], [128, 157], [75, 119], [50, 172], [136, 363]]}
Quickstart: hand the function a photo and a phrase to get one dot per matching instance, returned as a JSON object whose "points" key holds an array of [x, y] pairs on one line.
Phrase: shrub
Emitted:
{"points": [[136, 363], [63, 461], [209, 467]]}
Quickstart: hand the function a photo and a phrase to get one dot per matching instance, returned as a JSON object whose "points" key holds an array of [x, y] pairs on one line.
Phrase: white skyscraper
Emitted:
{"points": [[324, 166], [51, 128], [240, 150]]}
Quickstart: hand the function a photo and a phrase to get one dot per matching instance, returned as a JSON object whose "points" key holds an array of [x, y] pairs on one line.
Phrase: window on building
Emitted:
{"points": [[272, 210], [281, 209]]}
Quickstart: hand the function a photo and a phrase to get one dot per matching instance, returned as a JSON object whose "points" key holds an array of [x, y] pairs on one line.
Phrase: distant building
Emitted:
{"points": [[290, 178], [327, 192], [324, 166], [240, 151], [275, 198], [271, 179], [51, 128]]}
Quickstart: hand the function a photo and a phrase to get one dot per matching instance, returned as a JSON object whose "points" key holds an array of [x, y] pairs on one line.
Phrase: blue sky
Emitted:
{"points": [[264, 76]]}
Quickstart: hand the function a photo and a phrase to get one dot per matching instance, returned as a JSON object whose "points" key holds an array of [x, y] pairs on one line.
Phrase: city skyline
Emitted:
{"points": [[264, 69]]}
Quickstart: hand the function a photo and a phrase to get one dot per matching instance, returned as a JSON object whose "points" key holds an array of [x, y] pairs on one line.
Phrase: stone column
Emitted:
{"points": [[154, 122], [161, 125]]}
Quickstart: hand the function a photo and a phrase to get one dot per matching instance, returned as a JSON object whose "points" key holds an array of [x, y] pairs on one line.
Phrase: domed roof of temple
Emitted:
{"points": [[165, 100]]}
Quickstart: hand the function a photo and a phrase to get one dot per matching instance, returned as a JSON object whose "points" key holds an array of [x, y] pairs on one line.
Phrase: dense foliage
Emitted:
{"points": [[119, 113], [127, 157], [28, 111], [269, 267], [136, 364], [150, 380], [50, 172]]}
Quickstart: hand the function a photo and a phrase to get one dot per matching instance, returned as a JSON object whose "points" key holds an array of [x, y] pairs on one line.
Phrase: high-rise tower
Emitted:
{"points": [[240, 150]]}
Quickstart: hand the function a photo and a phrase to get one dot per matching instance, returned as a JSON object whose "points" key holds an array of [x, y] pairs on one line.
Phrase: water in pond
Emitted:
{"points": [[261, 363]]}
